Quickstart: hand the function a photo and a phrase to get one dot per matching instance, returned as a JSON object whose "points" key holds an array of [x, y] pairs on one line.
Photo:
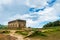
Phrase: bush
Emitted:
{"points": [[37, 33], [52, 24], [23, 33], [5, 32]]}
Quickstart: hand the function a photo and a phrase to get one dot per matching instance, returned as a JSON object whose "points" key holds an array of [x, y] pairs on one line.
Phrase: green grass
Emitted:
{"points": [[52, 33], [38, 34], [53, 29], [22, 33]]}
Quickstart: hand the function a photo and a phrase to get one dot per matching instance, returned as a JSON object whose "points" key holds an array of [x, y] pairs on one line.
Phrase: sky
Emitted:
{"points": [[37, 13]]}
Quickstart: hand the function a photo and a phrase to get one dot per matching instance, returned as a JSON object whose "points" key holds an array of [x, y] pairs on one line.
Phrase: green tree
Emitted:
{"points": [[52, 24]]}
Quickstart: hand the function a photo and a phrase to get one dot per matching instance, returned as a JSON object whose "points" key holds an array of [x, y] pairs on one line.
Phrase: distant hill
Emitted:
{"points": [[3, 26], [52, 24]]}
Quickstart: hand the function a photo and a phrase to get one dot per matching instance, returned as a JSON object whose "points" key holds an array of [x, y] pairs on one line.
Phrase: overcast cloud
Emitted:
{"points": [[36, 12]]}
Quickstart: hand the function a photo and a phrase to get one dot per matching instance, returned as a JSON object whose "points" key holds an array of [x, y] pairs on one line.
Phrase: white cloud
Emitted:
{"points": [[57, 8], [5, 1], [30, 22], [24, 16], [38, 3], [48, 14]]}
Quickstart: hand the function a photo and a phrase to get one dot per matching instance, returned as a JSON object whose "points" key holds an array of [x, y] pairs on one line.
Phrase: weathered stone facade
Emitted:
{"points": [[17, 24]]}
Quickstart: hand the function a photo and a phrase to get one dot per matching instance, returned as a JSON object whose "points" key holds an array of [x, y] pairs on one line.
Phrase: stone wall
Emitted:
{"points": [[16, 24]]}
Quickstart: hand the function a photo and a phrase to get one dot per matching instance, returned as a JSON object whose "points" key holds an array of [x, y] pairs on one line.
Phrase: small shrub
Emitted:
{"points": [[37, 33], [23, 33], [5, 32]]}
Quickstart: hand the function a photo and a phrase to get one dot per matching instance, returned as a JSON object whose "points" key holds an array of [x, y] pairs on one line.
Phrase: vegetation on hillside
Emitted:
{"points": [[3, 26], [52, 33], [52, 24]]}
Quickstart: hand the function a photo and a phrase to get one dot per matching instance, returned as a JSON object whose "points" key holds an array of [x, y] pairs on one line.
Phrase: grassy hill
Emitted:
{"points": [[52, 24], [52, 33]]}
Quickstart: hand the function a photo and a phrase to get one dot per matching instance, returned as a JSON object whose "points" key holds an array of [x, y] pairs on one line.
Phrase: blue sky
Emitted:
{"points": [[36, 12]]}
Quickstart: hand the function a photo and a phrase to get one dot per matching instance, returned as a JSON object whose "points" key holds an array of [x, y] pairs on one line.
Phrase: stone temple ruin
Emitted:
{"points": [[17, 24]]}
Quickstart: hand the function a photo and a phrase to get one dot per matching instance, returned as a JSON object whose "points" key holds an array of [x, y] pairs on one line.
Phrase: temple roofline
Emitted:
{"points": [[17, 20]]}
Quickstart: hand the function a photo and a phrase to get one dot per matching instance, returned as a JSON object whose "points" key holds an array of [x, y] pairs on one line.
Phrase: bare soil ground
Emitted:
{"points": [[19, 37]]}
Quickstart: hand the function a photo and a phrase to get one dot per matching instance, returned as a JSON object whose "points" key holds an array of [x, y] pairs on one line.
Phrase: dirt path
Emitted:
{"points": [[19, 37]]}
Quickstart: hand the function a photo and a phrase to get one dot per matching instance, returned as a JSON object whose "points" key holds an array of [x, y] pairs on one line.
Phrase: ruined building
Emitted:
{"points": [[17, 24]]}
